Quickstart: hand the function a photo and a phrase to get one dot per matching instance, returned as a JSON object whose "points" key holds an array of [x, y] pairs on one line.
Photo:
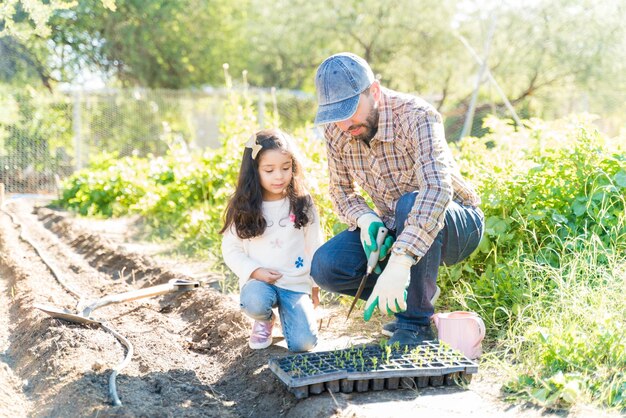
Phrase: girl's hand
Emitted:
{"points": [[266, 275], [315, 296]]}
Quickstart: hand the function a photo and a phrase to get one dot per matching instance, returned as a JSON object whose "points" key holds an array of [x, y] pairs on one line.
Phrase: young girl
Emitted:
{"points": [[271, 231]]}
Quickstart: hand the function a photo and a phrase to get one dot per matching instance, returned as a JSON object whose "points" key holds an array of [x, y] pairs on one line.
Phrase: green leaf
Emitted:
{"points": [[496, 226], [558, 218], [485, 244], [579, 207], [620, 178], [571, 391], [540, 395]]}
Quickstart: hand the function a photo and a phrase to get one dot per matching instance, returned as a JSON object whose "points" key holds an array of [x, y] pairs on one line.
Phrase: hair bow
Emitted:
{"points": [[253, 146]]}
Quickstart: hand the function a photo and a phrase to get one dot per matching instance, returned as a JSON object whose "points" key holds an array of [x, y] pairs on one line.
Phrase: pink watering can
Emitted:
{"points": [[464, 331]]}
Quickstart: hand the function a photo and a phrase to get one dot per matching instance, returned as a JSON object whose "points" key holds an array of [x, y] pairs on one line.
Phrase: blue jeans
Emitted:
{"points": [[340, 263], [295, 310]]}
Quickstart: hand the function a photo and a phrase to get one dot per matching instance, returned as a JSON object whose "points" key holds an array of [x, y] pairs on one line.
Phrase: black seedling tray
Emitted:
{"points": [[374, 367]]}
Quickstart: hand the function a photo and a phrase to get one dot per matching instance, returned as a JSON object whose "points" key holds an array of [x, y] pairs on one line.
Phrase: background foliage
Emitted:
{"points": [[542, 53]]}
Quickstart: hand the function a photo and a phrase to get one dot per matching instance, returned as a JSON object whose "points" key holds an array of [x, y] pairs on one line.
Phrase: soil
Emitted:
{"points": [[190, 353]]}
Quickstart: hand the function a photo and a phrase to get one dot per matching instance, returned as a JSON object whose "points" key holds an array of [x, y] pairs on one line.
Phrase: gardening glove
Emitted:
{"points": [[389, 293], [369, 225]]}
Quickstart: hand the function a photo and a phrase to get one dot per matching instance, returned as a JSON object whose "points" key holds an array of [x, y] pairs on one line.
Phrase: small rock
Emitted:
{"points": [[97, 366], [223, 330]]}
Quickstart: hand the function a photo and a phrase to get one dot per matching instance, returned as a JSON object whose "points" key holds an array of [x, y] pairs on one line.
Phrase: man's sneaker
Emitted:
{"points": [[261, 336], [406, 337], [390, 327]]}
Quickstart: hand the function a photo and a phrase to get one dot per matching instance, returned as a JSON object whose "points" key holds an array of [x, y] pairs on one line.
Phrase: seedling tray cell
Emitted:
{"points": [[373, 367]]}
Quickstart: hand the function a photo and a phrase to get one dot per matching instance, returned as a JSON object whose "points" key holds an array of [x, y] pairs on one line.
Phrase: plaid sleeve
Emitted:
{"points": [[348, 204], [433, 174]]}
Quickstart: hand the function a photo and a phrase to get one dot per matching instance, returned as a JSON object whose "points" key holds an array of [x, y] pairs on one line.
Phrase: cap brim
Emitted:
{"points": [[336, 112]]}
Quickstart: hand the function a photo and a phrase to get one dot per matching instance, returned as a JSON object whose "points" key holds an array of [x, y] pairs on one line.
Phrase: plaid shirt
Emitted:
{"points": [[409, 153]]}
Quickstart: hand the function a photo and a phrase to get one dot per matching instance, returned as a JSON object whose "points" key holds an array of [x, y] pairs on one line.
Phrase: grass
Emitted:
{"points": [[567, 345]]}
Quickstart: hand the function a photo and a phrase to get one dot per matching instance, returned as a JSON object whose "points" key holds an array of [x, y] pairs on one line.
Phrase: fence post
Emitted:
{"points": [[76, 127], [261, 112], [276, 118]]}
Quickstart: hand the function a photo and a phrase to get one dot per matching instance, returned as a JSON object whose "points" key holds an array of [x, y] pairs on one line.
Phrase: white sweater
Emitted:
{"points": [[282, 247]]}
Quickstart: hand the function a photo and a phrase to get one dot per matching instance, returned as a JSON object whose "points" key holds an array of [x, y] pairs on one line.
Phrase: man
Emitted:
{"points": [[393, 146]]}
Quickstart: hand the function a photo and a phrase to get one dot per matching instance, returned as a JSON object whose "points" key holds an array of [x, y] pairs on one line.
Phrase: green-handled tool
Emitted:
{"points": [[371, 265]]}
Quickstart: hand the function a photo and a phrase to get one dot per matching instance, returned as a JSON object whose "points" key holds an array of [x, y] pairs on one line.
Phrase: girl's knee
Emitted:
{"points": [[256, 309], [257, 300]]}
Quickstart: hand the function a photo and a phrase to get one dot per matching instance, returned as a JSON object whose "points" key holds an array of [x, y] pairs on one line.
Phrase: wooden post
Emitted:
{"points": [[1, 193]]}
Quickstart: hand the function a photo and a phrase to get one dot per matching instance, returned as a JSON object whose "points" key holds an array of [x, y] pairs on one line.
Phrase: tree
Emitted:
{"points": [[153, 43], [23, 62], [25, 18], [538, 48], [24, 27], [544, 53]]}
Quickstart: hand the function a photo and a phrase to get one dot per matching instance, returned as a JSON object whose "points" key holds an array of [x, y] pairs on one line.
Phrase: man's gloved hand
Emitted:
{"points": [[389, 293], [369, 225]]}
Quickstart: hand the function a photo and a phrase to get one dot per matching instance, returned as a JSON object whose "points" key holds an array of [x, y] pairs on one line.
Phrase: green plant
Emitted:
{"points": [[573, 346], [374, 361]]}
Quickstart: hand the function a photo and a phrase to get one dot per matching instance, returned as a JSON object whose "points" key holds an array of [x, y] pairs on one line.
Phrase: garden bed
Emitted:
{"points": [[191, 356]]}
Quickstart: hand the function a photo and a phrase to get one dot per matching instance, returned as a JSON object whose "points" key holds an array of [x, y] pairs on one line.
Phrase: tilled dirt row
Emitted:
{"points": [[191, 357], [190, 353]]}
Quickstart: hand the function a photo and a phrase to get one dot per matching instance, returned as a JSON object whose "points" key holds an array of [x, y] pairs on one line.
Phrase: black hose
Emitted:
{"points": [[129, 354]]}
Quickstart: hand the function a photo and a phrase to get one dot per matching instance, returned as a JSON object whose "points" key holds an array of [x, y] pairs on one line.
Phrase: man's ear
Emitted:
{"points": [[375, 90]]}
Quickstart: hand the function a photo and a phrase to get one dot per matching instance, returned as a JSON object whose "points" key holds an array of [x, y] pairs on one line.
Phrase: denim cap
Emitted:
{"points": [[339, 81]]}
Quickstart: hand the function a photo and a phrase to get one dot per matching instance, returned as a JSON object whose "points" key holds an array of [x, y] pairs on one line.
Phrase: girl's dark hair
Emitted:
{"points": [[244, 208]]}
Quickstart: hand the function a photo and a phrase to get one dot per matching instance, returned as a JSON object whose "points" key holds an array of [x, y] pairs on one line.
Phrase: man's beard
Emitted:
{"points": [[370, 126]]}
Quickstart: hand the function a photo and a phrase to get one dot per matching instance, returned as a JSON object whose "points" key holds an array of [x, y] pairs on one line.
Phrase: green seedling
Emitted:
{"points": [[387, 354], [382, 343]]}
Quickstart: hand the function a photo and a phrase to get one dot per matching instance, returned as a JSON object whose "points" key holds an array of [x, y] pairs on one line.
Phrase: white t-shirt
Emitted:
{"points": [[282, 247]]}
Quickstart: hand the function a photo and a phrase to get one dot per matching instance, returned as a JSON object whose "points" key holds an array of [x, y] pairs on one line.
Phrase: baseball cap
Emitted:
{"points": [[339, 81]]}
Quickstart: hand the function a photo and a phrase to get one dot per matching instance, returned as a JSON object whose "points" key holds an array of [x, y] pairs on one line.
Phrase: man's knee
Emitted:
{"points": [[303, 343], [321, 269], [404, 205]]}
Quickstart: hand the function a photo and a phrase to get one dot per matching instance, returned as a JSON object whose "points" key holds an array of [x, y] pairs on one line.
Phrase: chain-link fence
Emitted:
{"points": [[35, 140], [46, 136]]}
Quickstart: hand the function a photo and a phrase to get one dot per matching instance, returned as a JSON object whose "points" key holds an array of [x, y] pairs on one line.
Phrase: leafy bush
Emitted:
{"points": [[110, 187], [536, 197], [549, 275], [568, 344]]}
